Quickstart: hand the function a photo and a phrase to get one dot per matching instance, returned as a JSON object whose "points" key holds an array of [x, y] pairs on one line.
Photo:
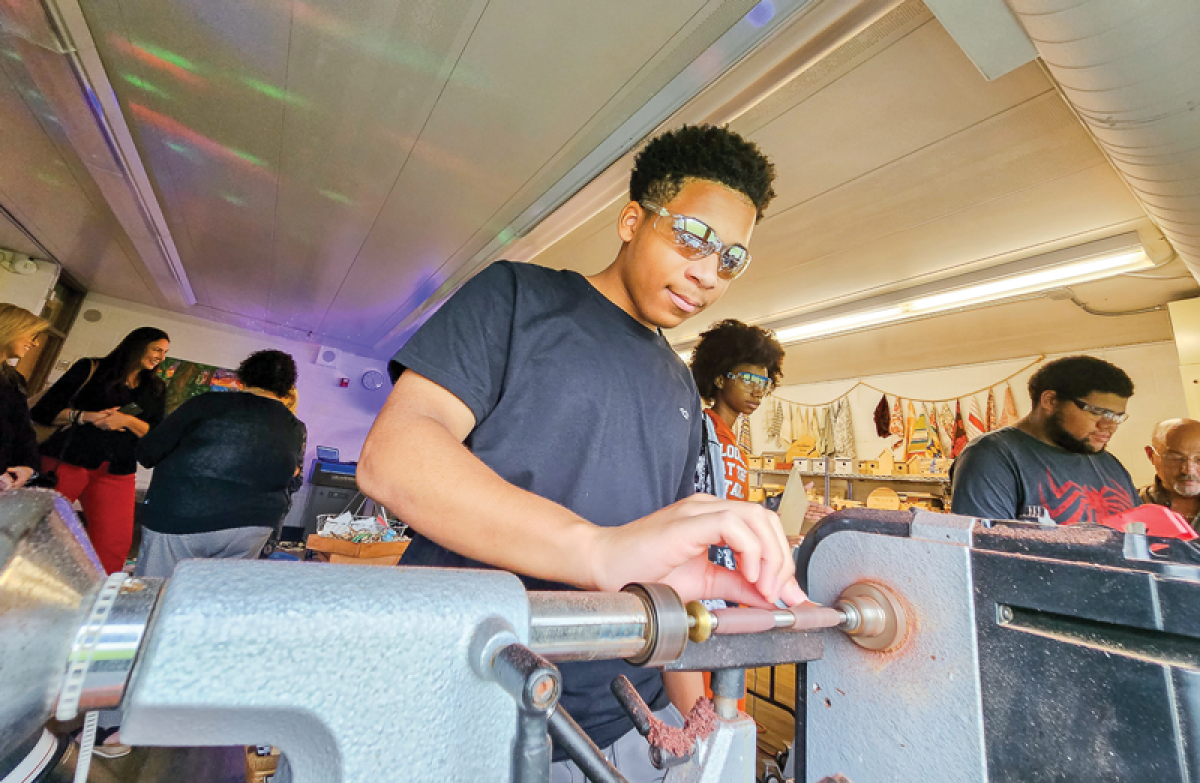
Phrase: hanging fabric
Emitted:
{"points": [[917, 441], [825, 431], [843, 430], [974, 419], [775, 425], [945, 418], [896, 426], [883, 417], [991, 421], [935, 435], [1009, 415], [744, 435], [960, 431]]}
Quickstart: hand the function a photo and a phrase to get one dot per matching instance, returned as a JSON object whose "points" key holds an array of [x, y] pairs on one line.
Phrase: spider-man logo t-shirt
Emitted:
{"points": [[1003, 473]]}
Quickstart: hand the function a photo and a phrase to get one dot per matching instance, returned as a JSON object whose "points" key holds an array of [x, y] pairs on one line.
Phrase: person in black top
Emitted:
{"points": [[222, 464], [543, 424], [19, 330], [109, 403]]}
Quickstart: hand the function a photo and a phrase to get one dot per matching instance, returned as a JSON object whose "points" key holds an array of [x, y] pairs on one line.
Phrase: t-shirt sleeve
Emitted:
{"points": [[464, 347], [986, 483]]}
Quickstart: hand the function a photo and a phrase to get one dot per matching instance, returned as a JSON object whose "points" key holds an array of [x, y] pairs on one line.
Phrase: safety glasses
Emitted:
{"points": [[1103, 413], [693, 240], [752, 381]]}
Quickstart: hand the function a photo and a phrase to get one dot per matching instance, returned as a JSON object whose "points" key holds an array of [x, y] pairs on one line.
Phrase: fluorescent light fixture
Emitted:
{"points": [[77, 45], [845, 323], [1081, 264]]}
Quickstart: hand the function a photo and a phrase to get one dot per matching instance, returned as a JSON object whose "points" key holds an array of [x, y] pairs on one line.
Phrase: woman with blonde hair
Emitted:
{"points": [[19, 331]]}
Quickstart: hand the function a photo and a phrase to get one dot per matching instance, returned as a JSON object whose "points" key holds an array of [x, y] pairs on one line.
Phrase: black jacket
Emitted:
{"points": [[221, 460], [91, 446], [18, 444]]}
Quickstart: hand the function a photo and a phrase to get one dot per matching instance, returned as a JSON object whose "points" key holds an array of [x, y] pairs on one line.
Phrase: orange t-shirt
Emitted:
{"points": [[737, 484]]}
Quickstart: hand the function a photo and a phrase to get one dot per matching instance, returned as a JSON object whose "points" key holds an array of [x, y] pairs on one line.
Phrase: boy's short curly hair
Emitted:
{"points": [[274, 371], [705, 152], [1074, 377], [729, 343]]}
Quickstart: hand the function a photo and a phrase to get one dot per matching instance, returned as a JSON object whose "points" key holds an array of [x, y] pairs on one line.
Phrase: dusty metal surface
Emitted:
{"points": [[357, 673], [919, 705], [48, 577]]}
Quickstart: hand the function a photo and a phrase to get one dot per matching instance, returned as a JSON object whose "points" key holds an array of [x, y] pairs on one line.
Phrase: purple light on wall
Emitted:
{"points": [[761, 14]]}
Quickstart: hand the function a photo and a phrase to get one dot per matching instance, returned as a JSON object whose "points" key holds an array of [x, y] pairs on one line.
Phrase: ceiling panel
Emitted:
{"points": [[897, 163], [450, 199], [328, 165], [189, 77], [916, 91], [376, 81]]}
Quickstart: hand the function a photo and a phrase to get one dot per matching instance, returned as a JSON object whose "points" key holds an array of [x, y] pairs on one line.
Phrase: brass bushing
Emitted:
{"points": [[700, 622], [875, 616]]}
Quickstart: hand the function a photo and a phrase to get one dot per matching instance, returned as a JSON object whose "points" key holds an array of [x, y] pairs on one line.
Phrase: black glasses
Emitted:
{"points": [[693, 239], [1103, 413], [752, 381]]}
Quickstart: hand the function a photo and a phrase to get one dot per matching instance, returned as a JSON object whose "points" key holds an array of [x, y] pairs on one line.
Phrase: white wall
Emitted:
{"points": [[334, 416], [29, 291], [1154, 368]]}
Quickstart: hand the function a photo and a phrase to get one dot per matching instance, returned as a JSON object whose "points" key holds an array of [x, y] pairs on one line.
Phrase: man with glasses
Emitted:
{"points": [[542, 424], [1175, 451], [1055, 458]]}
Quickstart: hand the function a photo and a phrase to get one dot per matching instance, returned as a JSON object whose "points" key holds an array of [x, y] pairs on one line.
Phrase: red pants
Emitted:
{"points": [[107, 502]]}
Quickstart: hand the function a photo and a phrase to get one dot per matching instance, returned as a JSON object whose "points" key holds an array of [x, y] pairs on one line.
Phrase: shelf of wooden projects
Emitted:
{"points": [[866, 481], [902, 477]]}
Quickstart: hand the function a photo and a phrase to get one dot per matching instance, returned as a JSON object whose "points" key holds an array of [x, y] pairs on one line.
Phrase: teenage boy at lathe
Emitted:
{"points": [[543, 425]]}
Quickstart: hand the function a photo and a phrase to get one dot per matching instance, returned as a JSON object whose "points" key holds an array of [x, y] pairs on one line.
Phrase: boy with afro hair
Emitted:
{"points": [[542, 424]]}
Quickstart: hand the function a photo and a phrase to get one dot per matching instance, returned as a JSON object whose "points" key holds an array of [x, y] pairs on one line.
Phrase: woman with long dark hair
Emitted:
{"points": [[19, 331], [107, 404]]}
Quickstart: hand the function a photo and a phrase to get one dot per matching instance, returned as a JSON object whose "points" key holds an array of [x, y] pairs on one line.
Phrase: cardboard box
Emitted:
{"points": [[754, 463], [334, 550], [803, 464], [843, 466], [768, 462], [757, 495]]}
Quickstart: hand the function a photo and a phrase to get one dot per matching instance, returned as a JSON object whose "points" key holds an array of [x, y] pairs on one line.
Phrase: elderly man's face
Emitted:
{"points": [[1177, 461]]}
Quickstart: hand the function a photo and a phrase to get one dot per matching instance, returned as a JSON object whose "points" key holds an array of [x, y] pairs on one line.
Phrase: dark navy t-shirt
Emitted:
{"points": [[1003, 472], [577, 402]]}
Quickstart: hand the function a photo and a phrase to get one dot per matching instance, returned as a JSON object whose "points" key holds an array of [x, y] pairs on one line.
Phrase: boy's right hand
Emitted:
{"points": [[671, 546]]}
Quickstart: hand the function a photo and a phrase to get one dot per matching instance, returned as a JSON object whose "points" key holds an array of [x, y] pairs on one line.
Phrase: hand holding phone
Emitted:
{"points": [[130, 409]]}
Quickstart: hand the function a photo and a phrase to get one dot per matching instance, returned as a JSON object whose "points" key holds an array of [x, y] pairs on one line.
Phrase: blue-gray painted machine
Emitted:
{"points": [[965, 651]]}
